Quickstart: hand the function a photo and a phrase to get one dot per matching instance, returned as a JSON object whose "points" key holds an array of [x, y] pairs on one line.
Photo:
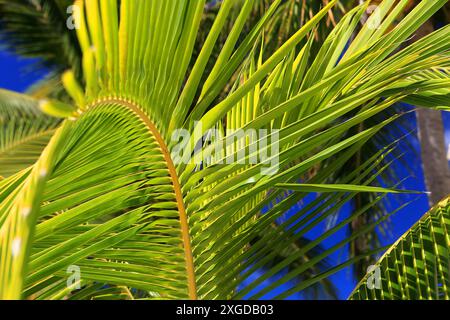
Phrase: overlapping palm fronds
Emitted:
{"points": [[114, 194], [290, 16]]}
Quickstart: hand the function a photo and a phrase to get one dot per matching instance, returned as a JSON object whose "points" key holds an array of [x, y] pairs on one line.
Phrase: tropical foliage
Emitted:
{"points": [[98, 182], [417, 266]]}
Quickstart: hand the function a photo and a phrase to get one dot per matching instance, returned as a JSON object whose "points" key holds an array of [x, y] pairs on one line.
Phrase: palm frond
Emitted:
{"points": [[110, 195], [416, 266], [25, 131]]}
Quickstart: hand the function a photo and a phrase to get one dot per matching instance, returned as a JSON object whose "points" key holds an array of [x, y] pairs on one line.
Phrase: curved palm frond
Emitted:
{"points": [[110, 194]]}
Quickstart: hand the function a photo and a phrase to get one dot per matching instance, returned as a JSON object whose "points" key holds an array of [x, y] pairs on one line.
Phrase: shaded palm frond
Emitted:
{"points": [[39, 29], [24, 133]]}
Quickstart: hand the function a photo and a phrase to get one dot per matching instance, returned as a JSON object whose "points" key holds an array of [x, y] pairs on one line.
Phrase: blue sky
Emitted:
{"points": [[16, 74]]}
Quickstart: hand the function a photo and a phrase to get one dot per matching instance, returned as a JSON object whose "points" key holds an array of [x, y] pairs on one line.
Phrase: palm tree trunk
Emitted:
{"points": [[434, 157], [432, 142]]}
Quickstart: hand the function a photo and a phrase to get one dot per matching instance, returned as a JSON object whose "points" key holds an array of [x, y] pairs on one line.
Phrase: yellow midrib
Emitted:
{"points": [[192, 288]]}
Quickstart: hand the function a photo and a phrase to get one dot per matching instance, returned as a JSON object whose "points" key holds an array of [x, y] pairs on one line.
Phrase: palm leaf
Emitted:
{"points": [[417, 265], [108, 194], [25, 131]]}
